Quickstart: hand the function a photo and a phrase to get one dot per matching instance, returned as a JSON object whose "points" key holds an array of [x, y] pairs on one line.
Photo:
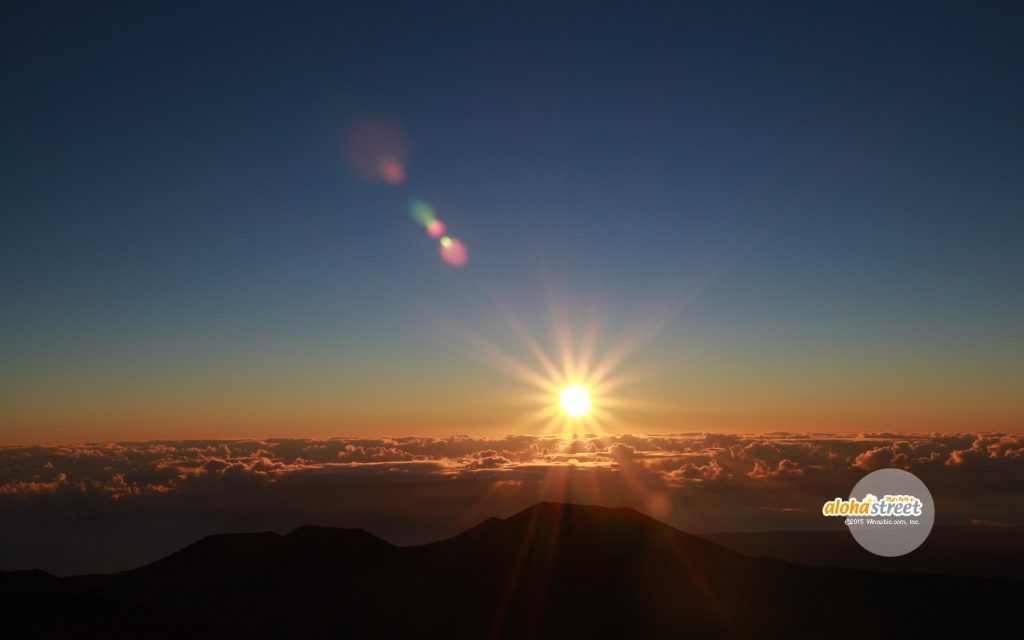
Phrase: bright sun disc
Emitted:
{"points": [[575, 400]]}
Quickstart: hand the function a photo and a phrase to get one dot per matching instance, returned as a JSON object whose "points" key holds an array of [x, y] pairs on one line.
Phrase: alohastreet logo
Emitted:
{"points": [[889, 505], [893, 525]]}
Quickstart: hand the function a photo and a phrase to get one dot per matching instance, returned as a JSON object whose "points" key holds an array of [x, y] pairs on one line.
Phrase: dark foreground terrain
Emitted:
{"points": [[554, 570], [970, 551]]}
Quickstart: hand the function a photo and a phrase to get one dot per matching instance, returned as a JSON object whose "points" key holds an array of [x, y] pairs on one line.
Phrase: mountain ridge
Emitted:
{"points": [[551, 570]]}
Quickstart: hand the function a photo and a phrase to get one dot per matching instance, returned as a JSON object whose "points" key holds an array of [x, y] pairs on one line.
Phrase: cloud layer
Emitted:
{"points": [[146, 499]]}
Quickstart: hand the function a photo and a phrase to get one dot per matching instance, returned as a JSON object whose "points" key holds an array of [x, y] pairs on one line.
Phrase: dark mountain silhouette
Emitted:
{"points": [[554, 570], [972, 551]]}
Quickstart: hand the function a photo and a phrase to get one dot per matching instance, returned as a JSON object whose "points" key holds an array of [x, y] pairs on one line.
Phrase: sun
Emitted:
{"points": [[575, 400], [571, 383]]}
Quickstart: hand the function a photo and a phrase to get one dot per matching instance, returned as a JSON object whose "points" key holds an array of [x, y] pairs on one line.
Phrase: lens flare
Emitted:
{"points": [[422, 212], [435, 229], [391, 170], [453, 251], [376, 150]]}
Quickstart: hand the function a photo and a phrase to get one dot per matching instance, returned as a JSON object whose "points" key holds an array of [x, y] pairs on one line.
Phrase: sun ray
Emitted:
{"points": [[599, 373]]}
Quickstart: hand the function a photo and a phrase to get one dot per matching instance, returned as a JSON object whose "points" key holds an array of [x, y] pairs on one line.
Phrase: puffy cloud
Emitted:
{"points": [[136, 469], [785, 469], [26, 489], [360, 453], [487, 459], [139, 468], [413, 489], [989, 450], [620, 451], [696, 472], [894, 455]]}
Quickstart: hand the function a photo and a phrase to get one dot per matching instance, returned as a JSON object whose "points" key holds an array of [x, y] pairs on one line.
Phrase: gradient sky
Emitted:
{"points": [[834, 190]]}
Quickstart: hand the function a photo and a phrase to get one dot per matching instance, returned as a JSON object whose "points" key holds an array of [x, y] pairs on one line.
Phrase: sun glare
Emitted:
{"points": [[575, 400], [572, 384]]}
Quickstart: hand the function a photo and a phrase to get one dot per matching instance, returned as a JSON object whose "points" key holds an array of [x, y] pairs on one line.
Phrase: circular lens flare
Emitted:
{"points": [[435, 229], [377, 150], [453, 251], [575, 400], [390, 170], [422, 212]]}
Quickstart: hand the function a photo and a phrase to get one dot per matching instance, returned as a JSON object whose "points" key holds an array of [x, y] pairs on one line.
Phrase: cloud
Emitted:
{"points": [[989, 451], [695, 472], [119, 469], [786, 468], [414, 489]]}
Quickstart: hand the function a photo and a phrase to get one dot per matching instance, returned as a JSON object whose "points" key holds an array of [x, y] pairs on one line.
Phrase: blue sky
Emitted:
{"points": [[179, 222]]}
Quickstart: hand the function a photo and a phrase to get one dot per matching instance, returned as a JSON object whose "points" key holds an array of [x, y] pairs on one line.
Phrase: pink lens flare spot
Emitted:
{"points": [[435, 229], [376, 150], [391, 171], [453, 251]]}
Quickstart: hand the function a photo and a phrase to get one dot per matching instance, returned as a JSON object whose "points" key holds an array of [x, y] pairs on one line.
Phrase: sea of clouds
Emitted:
{"points": [[106, 506]]}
